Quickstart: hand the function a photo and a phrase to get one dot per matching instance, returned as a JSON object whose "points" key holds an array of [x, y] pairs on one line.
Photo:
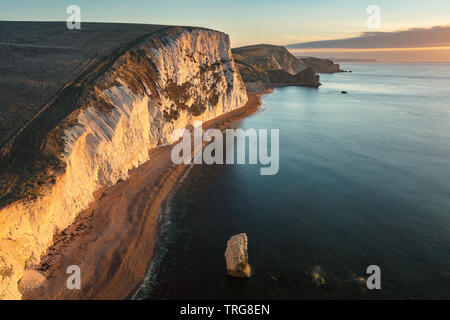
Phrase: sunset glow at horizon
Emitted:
{"points": [[263, 21], [422, 54]]}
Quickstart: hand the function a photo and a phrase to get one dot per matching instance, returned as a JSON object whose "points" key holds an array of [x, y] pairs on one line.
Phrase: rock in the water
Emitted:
{"points": [[318, 276], [236, 256]]}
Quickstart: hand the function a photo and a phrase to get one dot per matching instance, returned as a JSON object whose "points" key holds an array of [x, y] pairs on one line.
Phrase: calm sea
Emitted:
{"points": [[364, 180]]}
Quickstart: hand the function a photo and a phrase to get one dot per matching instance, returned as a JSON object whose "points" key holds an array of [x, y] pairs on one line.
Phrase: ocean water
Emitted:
{"points": [[364, 179]]}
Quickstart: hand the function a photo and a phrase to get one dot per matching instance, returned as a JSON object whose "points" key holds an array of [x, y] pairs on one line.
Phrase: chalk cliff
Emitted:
{"points": [[117, 108]]}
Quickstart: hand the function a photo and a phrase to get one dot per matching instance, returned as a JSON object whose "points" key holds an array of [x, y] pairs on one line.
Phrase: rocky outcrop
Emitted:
{"points": [[263, 66], [268, 57], [321, 65], [236, 256], [281, 77], [103, 124]]}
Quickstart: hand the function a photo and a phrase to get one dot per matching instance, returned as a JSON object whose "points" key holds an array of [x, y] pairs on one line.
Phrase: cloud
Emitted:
{"points": [[438, 36]]}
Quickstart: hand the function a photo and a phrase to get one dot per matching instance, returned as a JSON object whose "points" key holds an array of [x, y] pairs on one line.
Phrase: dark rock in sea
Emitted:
{"points": [[318, 276], [344, 92]]}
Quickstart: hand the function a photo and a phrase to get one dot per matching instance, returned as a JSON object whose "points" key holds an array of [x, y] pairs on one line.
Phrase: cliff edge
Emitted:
{"points": [[115, 92], [263, 66]]}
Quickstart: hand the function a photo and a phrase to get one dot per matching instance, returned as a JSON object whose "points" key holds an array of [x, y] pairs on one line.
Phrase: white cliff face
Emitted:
{"points": [[193, 78]]}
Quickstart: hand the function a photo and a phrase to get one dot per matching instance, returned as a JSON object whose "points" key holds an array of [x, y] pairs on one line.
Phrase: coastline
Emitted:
{"points": [[113, 241]]}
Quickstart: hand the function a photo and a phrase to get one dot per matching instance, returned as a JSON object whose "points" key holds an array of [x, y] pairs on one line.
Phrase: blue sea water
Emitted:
{"points": [[364, 179]]}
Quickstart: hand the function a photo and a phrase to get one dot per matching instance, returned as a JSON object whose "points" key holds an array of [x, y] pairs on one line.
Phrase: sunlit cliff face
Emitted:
{"points": [[103, 145]]}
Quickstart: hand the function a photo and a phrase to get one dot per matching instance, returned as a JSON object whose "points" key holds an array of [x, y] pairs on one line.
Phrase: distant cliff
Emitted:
{"points": [[264, 66], [101, 123], [321, 65]]}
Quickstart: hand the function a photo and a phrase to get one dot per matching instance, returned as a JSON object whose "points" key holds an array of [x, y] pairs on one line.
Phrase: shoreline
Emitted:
{"points": [[110, 239], [222, 122]]}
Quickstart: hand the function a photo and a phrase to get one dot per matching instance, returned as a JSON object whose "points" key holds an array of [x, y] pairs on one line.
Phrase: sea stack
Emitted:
{"points": [[236, 256]]}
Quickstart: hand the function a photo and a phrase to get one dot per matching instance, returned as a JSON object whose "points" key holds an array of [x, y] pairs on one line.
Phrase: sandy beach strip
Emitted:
{"points": [[113, 240]]}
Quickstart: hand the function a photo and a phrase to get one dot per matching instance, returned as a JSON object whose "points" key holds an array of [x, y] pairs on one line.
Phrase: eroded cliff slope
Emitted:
{"points": [[321, 65], [100, 125], [264, 66]]}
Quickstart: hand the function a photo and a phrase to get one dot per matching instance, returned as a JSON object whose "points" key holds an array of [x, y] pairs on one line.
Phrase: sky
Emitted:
{"points": [[247, 22]]}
